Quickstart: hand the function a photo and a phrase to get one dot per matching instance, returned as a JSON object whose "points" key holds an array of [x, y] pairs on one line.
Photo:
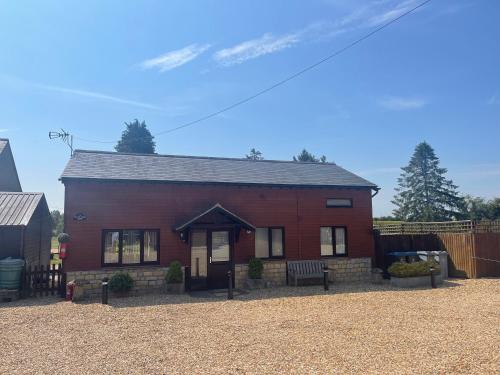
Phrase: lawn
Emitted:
{"points": [[354, 329]]}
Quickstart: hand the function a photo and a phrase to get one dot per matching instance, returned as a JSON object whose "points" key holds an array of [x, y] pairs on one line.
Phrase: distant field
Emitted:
{"points": [[54, 244]]}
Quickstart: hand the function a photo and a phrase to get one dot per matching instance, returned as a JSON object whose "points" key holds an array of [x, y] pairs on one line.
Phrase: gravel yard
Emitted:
{"points": [[360, 328]]}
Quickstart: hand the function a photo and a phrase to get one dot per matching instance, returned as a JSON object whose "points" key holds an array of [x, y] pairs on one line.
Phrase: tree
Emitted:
{"points": [[423, 192], [58, 222], [306, 156], [136, 138], [477, 208], [255, 155]]}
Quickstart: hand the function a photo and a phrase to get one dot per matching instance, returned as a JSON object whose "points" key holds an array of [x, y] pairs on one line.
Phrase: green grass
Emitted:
{"points": [[54, 243], [55, 260]]}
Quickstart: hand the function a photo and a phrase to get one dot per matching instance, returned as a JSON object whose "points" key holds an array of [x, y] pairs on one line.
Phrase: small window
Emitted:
{"points": [[339, 202], [333, 241], [130, 247], [269, 243]]}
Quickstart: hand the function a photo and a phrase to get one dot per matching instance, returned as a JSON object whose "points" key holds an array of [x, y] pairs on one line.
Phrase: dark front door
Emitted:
{"points": [[219, 258]]}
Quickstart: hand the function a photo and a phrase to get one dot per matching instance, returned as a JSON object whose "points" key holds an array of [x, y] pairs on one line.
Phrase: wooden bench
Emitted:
{"points": [[305, 269]]}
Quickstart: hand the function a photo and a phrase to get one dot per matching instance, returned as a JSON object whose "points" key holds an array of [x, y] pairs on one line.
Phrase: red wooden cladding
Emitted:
{"points": [[123, 205]]}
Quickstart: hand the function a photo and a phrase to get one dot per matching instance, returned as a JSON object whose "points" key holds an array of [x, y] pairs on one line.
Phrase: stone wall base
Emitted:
{"points": [[146, 280], [343, 269]]}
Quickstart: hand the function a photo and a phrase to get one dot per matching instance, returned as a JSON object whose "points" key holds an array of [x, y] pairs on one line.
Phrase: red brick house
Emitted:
{"points": [[140, 212]]}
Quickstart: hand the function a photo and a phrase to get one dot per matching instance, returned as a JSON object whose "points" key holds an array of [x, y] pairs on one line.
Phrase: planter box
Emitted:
{"points": [[257, 284], [174, 288], [414, 282]]}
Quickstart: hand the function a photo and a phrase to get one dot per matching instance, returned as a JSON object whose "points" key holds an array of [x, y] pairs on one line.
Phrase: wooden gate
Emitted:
{"points": [[40, 281]]}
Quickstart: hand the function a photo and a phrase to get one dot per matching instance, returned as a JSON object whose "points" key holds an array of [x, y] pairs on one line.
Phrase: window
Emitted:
{"points": [[338, 202], [269, 243], [333, 241], [134, 247]]}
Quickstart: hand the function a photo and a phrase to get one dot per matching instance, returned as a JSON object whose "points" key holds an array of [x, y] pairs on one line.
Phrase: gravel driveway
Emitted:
{"points": [[359, 328]]}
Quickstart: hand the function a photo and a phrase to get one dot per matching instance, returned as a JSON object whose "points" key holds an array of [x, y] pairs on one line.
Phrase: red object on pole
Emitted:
{"points": [[69, 291], [62, 251]]}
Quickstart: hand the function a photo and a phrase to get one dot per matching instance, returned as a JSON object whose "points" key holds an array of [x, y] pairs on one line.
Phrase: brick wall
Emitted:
{"points": [[123, 205]]}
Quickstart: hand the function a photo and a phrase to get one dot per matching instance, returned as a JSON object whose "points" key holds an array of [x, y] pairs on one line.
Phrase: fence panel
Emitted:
{"points": [[487, 254], [44, 281]]}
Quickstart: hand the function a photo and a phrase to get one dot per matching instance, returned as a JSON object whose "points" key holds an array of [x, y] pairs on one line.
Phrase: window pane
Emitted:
{"points": [[150, 246], [111, 247], [277, 242], [340, 241], [261, 243], [131, 247], [220, 246], [199, 254], [339, 202], [326, 241]]}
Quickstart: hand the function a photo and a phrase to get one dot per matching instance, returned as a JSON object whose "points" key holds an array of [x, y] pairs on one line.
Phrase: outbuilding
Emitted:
{"points": [[139, 212]]}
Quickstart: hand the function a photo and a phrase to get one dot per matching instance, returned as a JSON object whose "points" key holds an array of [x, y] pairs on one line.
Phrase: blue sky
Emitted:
{"points": [[89, 66]]}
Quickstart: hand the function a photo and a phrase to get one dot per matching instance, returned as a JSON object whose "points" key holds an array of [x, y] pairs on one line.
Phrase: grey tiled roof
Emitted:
{"points": [[141, 167], [17, 208], [3, 144]]}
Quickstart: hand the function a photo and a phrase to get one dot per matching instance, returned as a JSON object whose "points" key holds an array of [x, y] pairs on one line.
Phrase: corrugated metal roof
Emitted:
{"points": [[121, 166], [17, 208]]}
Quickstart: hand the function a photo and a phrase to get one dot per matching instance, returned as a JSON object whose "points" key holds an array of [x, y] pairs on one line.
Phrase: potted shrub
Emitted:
{"points": [[255, 269], [410, 275], [174, 278], [121, 283]]}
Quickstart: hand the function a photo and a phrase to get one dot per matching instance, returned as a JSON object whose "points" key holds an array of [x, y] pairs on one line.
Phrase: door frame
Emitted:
{"points": [[229, 263]]}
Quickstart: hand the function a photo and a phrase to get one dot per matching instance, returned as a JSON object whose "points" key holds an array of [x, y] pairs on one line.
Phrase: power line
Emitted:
{"points": [[283, 81]]}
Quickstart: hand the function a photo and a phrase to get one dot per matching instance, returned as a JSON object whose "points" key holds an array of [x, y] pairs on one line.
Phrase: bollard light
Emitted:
{"points": [[104, 294], [230, 285], [325, 278]]}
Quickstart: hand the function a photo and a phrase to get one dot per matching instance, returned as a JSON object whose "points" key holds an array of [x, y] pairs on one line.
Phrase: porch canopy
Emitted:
{"points": [[215, 216]]}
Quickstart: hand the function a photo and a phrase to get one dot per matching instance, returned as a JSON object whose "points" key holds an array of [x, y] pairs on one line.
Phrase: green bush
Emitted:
{"points": [[174, 273], [399, 269], [121, 282], [63, 238], [255, 268]]}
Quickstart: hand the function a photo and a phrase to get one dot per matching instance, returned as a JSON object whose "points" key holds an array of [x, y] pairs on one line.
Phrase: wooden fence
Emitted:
{"points": [[464, 226], [470, 255], [39, 281]]}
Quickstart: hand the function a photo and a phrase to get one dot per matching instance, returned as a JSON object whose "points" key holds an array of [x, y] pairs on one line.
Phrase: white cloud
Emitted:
{"points": [[4, 130], [174, 59], [399, 103], [250, 49], [96, 95], [362, 16]]}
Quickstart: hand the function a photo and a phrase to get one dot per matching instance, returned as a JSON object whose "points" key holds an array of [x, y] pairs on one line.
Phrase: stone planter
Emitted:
{"points": [[415, 282], [257, 284], [174, 288]]}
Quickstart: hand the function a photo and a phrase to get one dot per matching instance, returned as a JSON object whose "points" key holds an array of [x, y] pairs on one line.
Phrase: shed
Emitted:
{"points": [[25, 227], [9, 180]]}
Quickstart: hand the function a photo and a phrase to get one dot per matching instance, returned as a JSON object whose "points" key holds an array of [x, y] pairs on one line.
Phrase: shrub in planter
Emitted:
{"points": [[121, 283], [174, 273], [63, 238], [255, 268], [415, 269]]}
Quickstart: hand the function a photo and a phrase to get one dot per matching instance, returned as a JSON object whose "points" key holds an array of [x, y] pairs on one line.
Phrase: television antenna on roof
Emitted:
{"points": [[65, 137]]}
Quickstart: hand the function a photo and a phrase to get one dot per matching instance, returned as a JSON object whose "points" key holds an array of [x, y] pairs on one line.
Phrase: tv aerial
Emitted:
{"points": [[64, 136]]}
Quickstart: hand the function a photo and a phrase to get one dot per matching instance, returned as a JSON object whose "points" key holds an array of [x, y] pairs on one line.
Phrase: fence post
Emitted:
{"points": [[62, 285]]}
